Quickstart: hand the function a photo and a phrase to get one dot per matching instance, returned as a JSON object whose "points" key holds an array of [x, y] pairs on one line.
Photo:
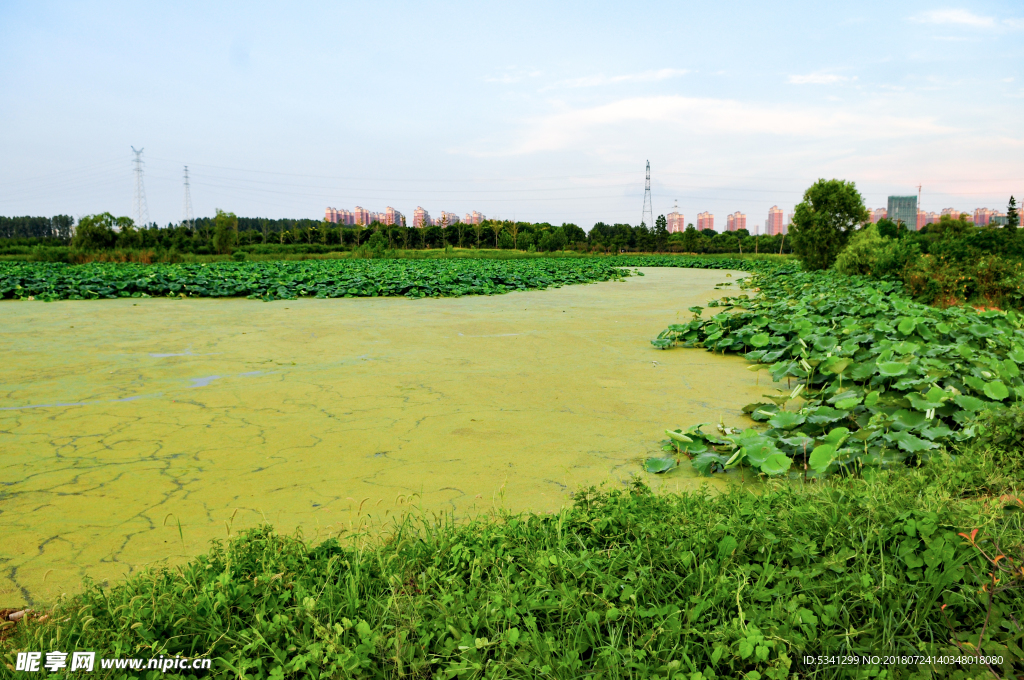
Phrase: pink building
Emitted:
{"points": [[473, 218], [774, 225], [676, 222], [705, 220], [361, 216], [343, 217], [736, 221], [446, 219], [878, 214], [924, 218], [421, 218], [983, 216], [952, 212]]}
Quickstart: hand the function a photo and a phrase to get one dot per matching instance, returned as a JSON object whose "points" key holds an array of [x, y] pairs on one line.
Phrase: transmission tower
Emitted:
{"points": [[186, 208], [648, 216], [139, 209]]}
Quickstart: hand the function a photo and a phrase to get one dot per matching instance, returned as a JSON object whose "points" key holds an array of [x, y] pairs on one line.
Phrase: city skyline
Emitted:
{"points": [[256, 101]]}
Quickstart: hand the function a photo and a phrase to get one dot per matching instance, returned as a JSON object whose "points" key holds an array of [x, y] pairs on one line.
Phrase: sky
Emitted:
{"points": [[535, 111]]}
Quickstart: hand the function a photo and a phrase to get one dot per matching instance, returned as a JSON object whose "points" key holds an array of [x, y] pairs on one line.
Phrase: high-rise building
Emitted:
{"points": [[982, 216], [878, 214], [952, 212], [774, 225], [676, 222], [446, 218], [903, 209], [344, 217], [705, 220], [474, 218], [361, 216], [392, 216], [736, 221], [421, 218]]}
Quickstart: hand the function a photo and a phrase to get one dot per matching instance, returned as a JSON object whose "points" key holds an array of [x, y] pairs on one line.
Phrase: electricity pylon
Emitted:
{"points": [[186, 208], [648, 217], [139, 208]]}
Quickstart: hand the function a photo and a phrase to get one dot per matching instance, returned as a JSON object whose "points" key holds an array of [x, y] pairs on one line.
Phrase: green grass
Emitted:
{"points": [[624, 584]]}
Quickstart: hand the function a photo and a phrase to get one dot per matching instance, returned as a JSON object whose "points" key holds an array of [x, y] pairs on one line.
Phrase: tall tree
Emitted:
{"points": [[824, 220], [1012, 216], [513, 230], [661, 233], [497, 227], [225, 231]]}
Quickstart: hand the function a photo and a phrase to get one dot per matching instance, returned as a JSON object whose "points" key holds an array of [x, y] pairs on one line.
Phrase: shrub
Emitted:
{"points": [[861, 254]]}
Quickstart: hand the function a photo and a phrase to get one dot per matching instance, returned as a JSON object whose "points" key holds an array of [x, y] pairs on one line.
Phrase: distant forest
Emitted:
{"points": [[21, 234]]}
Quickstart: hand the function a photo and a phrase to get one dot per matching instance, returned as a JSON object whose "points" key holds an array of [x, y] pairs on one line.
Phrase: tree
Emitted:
{"points": [[574, 233], [95, 232], [478, 229], [559, 240], [514, 231], [460, 228], [660, 233], [1012, 216], [497, 227], [225, 231], [824, 220]]}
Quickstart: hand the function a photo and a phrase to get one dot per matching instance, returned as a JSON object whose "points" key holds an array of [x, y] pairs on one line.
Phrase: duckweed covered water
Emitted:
{"points": [[135, 431]]}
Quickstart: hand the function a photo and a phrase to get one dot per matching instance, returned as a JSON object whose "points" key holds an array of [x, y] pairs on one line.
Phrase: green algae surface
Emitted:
{"points": [[134, 431]]}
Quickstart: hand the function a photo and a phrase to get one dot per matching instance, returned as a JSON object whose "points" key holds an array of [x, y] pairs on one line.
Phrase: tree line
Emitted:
{"points": [[58, 227], [106, 232]]}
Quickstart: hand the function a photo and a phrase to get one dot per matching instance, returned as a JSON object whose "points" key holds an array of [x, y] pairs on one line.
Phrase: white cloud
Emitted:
{"points": [[643, 77], [963, 17], [817, 79], [595, 127], [959, 17]]}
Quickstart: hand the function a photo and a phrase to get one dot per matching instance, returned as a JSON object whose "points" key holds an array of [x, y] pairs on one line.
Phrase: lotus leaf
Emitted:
{"points": [[787, 420], [822, 457], [996, 390], [909, 442], [759, 339], [891, 369], [659, 465], [776, 464]]}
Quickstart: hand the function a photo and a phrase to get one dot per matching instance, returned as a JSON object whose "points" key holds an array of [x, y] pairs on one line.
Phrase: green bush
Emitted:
{"points": [[861, 254]]}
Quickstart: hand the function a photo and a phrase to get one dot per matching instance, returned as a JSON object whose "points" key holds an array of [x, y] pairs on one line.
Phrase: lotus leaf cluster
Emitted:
{"points": [[871, 378], [308, 278]]}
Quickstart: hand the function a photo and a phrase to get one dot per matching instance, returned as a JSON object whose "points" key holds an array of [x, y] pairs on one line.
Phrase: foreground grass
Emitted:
{"points": [[624, 584]]}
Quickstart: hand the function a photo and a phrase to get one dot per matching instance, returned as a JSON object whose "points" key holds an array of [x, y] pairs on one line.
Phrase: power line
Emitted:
{"points": [[139, 207]]}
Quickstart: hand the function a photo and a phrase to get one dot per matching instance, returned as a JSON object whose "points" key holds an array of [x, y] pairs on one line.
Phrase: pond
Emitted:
{"points": [[134, 431]]}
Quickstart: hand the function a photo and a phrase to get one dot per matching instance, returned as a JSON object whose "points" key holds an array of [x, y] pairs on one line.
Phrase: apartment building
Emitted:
{"points": [[676, 222], [705, 220], [774, 225], [736, 221], [421, 218]]}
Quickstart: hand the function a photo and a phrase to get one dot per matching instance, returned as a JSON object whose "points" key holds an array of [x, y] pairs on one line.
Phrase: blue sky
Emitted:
{"points": [[540, 111]]}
